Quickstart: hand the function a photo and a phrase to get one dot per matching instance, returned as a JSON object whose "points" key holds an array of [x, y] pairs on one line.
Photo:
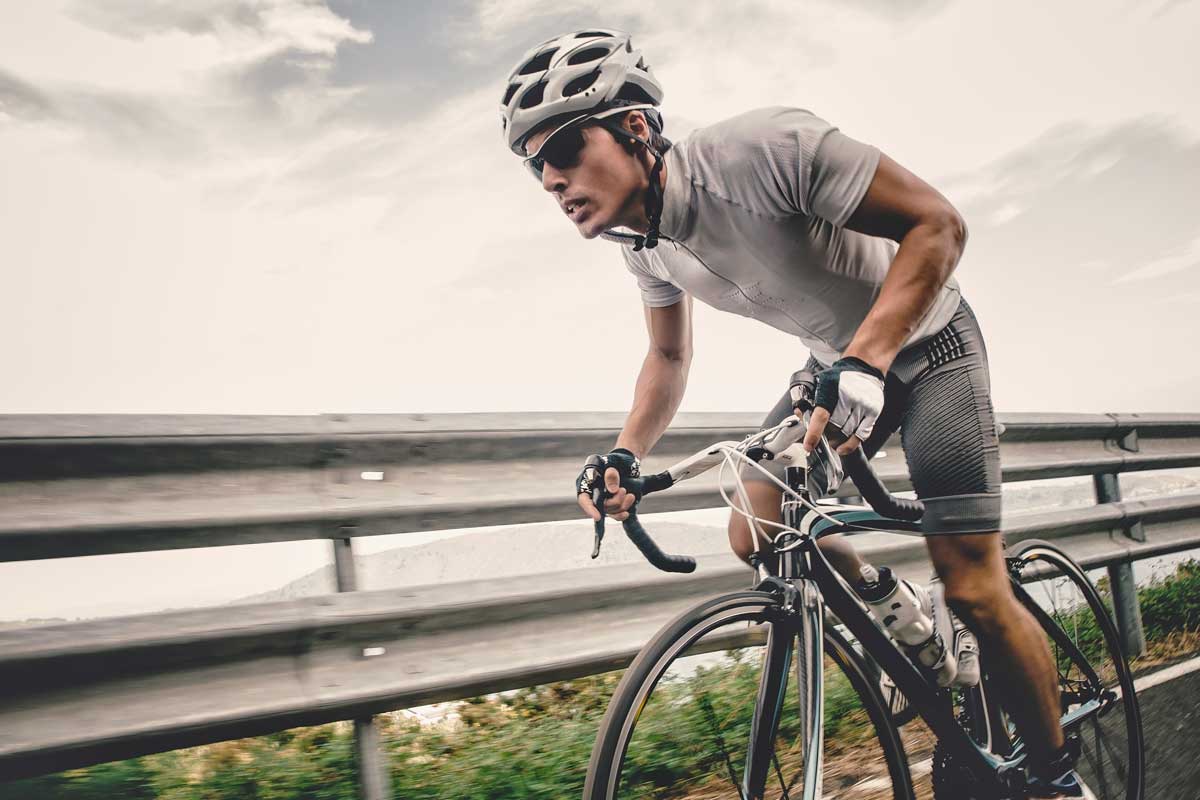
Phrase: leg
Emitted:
{"points": [[764, 499], [765, 496], [953, 455], [978, 589]]}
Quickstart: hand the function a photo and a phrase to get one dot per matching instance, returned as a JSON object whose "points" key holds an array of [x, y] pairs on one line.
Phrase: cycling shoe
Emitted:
{"points": [[1066, 785]]}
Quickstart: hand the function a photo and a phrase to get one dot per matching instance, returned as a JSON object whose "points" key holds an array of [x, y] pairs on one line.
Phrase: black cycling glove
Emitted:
{"points": [[592, 476], [851, 390]]}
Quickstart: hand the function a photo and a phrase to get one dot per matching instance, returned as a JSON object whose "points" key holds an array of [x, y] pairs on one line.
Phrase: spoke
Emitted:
{"points": [[710, 714], [1113, 755], [1100, 770], [779, 774]]}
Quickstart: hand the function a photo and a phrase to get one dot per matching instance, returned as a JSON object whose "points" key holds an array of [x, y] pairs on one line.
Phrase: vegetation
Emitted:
{"points": [[531, 743]]}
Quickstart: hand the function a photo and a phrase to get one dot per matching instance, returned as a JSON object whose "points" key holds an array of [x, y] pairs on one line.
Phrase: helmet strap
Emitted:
{"points": [[654, 204]]}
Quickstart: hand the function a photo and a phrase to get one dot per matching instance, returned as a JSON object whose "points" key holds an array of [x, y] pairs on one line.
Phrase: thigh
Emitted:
{"points": [[949, 433], [764, 499]]}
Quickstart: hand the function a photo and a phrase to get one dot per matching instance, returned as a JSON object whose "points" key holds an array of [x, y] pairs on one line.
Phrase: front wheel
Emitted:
{"points": [[681, 721], [1112, 761]]}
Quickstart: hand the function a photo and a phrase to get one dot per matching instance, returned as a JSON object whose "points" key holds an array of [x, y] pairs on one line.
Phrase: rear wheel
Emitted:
{"points": [[681, 720], [1112, 761]]}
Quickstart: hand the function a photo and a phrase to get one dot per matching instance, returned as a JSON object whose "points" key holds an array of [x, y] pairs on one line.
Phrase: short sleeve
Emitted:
{"points": [[656, 292], [802, 164], [841, 173]]}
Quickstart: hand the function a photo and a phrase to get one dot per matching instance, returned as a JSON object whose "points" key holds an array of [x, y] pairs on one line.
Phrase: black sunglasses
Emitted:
{"points": [[560, 150]]}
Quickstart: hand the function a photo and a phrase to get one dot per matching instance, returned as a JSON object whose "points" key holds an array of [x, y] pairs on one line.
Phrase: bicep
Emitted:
{"points": [[896, 201], [670, 329]]}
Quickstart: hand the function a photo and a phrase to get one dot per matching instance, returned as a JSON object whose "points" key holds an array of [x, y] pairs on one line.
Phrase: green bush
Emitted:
{"points": [[531, 743]]}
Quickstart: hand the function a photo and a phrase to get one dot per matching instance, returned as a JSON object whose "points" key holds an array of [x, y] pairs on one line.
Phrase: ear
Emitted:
{"points": [[635, 123]]}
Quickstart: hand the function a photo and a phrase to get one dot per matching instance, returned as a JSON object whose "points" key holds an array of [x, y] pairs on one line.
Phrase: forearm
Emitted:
{"points": [[928, 254], [656, 397]]}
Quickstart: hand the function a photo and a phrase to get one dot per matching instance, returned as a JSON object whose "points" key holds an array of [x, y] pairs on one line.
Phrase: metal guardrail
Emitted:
{"points": [[82, 693]]}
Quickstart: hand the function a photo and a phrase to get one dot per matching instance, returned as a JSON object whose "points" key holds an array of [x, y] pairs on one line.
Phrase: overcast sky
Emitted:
{"points": [[292, 206]]}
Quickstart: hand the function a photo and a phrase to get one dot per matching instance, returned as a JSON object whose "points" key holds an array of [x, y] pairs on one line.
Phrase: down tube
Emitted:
{"points": [[921, 694]]}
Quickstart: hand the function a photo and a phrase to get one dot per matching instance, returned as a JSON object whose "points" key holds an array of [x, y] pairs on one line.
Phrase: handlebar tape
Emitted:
{"points": [[875, 493], [664, 561]]}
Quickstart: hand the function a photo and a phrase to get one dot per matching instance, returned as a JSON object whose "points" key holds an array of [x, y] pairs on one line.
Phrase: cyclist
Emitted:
{"points": [[777, 215]]}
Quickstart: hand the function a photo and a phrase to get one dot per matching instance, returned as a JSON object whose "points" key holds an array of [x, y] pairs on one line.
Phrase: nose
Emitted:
{"points": [[552, 179]]}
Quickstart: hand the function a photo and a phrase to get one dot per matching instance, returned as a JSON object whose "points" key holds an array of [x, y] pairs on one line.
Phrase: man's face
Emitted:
{"points": [[598, 187]]}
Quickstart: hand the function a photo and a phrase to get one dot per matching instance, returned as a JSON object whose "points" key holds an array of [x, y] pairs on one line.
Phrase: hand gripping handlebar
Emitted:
{"points": [[780, 442], [638, 487]]}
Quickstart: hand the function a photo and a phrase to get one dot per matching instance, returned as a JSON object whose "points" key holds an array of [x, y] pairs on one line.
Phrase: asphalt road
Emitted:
{"points": [[1171, 721]]}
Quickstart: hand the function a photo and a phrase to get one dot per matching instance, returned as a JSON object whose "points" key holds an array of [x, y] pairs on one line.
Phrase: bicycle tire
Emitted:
{"points": [[670, 645], [1101, 737]]}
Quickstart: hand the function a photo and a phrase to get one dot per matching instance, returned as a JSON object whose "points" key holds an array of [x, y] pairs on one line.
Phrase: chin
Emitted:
{"points": [[592, 228]]}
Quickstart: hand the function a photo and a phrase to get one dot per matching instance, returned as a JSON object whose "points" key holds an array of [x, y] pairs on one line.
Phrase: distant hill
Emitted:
{"points": [[6, 625], [530, 549], [502, 553]]}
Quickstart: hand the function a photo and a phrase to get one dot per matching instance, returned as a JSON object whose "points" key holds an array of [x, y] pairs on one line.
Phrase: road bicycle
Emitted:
{"points": [[710, 708]]}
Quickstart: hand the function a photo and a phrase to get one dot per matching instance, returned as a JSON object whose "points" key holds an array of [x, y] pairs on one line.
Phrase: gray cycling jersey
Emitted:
{"points": [[752, 221]]}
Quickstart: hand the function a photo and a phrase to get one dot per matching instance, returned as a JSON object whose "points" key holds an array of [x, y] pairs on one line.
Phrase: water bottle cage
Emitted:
{"points": [[914, 653]]}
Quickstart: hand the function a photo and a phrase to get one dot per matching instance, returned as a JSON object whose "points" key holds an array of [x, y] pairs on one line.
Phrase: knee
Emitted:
{"points": [[984, 605], [739, 536], [741, 539]]}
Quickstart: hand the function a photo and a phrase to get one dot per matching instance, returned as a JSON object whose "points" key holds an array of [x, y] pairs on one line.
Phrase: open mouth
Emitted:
{"points": [[575, 209]]}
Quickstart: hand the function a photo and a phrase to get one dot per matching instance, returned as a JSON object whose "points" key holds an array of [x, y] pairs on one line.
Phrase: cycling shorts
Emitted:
{"points": [[938, 394]]}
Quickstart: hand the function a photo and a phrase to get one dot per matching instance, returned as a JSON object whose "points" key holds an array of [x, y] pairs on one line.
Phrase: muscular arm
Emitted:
{"points": [[902, 207], [660, 384]]}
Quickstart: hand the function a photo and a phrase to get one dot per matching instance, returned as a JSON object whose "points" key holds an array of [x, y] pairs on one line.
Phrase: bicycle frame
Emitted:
{"points": [[810, 584]]}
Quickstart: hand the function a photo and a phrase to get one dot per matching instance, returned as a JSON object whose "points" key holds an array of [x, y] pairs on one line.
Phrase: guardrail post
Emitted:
{"points": [[373, 778], [1120, 576]]}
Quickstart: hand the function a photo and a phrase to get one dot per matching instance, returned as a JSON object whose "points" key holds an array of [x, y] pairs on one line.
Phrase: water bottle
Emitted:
{"points": [[906, 611]]}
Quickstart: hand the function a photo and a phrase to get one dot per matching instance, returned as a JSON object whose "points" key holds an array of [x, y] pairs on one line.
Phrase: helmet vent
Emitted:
{"points": [[508, 95], [581, 83], [533, 96], [590, 54], [538, 63], [631, 91], [591, 34]]}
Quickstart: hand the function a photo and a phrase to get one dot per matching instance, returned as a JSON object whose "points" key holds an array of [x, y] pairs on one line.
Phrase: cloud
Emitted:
{"points": [[307, 25], [1170, 5], [1121, 196], [260, 86], [268, 47], [21, 100], [1073, 285], [135, 19], [899, 10], [1184, 258], [121, 121]]}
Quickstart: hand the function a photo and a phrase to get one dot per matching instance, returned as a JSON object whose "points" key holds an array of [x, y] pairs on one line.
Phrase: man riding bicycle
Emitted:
{"points": [[777, 215]]}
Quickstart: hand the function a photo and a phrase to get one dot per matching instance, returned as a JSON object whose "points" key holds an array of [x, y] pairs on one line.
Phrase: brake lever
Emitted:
{"points": [[598, 501]]}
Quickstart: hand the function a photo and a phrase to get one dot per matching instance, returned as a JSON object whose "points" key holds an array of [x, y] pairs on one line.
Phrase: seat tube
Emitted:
{"points": [[791, 564], [793, 510]]}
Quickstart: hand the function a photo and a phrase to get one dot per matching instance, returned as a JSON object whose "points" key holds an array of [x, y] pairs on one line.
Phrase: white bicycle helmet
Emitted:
{"points": [[574, 76]]}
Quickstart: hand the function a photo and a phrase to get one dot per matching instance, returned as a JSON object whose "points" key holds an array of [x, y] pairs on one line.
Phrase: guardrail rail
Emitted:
{"points": [[81, 693]]}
